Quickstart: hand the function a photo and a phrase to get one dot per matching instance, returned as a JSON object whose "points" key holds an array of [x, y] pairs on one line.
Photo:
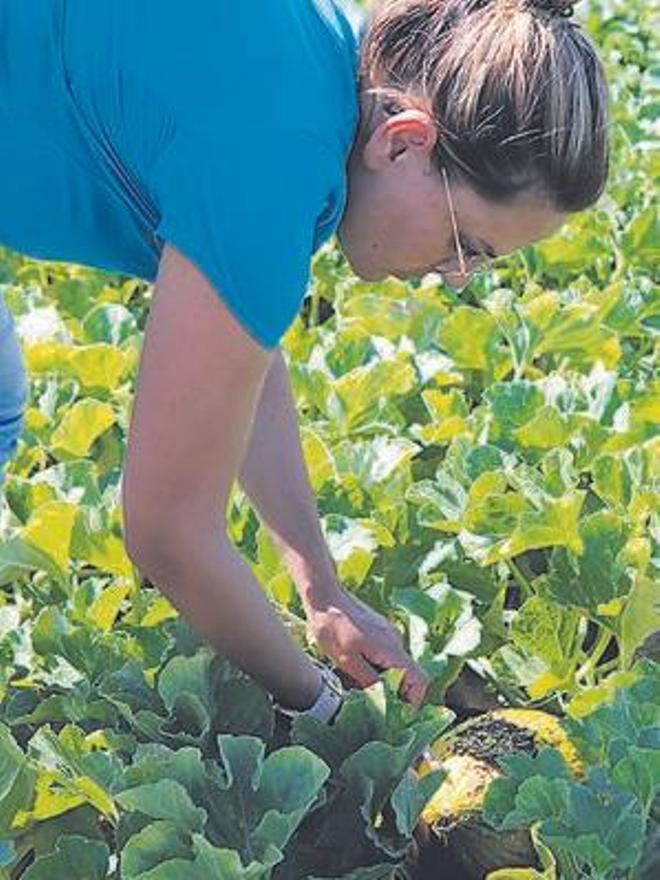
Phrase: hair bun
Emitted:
{"points": [[562, 8]]}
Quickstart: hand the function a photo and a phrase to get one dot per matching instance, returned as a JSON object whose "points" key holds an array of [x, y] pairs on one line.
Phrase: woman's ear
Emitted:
{"points": [[409, 129]]}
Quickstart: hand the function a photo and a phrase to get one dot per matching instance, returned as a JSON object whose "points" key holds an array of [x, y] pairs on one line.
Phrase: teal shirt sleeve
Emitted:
{"points": [[243, 207]]}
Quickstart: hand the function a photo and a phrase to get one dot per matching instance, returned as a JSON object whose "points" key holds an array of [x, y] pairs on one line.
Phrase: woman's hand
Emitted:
{"points": [[362, 643]]}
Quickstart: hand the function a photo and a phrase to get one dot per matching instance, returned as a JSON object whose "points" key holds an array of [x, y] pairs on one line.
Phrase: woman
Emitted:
{"points": [[214, 155]]}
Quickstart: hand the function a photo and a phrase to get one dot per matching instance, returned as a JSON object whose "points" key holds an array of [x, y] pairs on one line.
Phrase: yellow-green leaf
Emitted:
{"points": [[99, 366], [80, 426], [49, 530], [105, 608]]}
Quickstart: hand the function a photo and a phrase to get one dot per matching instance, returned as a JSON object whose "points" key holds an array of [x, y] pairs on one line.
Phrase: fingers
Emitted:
{"points": [[360, 671], [414, 686], [415, 682]]}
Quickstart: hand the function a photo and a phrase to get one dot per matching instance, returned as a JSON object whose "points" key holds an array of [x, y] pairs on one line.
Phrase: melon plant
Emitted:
{"points": [[486, 474], [452, 826]]}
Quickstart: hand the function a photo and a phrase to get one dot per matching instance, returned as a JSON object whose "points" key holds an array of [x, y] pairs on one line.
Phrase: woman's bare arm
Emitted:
{"points": [[198, 384], [274, 476]]}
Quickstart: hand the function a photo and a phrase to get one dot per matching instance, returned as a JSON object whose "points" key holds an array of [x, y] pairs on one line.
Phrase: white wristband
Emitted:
{"points": [[327, 703]]}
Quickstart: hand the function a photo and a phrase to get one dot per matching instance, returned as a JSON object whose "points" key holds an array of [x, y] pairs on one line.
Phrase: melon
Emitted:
{"points": [[451, 834]]}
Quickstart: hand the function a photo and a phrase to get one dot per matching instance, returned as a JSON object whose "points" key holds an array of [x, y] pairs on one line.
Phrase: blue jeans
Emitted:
{"points": [[14, 387]]}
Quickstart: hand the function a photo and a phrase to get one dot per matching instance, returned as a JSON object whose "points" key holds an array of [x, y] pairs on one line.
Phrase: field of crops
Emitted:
{"points": [[487, 471]]}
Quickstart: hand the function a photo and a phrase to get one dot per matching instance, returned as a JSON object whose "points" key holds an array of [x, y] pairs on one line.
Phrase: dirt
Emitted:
{"points": [[492, 739]]}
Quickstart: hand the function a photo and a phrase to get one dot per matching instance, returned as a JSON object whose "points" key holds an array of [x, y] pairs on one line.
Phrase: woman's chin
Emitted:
{"points": [[364, 273], [368, 273], [372, 276]]}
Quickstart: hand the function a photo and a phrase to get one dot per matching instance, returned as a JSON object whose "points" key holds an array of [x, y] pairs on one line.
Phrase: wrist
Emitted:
{"points": [[316, 580], [328, 702], [306, 693], [319, 596]]}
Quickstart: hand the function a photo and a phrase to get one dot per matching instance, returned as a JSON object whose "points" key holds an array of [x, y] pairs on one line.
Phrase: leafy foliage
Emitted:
{"points": [[596, 827], [486, 469]]}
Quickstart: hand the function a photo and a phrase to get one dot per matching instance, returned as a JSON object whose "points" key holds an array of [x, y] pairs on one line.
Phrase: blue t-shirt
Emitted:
{"points": [[220, 126]]}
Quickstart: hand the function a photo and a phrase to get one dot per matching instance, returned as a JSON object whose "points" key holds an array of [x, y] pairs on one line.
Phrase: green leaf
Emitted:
{"points": [[49, 530], [501, 807], [463, 574], [589, 699], [360, 719], [291, 779], [19, 558], [595, 576], [537, 797], [612, 479], [99, 366], [411, 796], [84, 776], [374, 461], [587, 850], [603, 826], [471, 337], [495, 514], [442, 623], [79, 428], [165, 799], [213, 863], [49, 628], [548, 631], [75, 857], [358, 389], [546, 430], [264, 801], [639, 773], [17, 780], [442, 502], [105, 608], [109, 322], [93, 540], [643, 235], [352, 543], [159, 846], [641, 616], [555, 524], [512, 405]]}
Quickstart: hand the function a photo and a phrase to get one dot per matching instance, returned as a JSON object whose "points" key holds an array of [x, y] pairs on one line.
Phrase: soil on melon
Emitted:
{"points": [[494, 738]]}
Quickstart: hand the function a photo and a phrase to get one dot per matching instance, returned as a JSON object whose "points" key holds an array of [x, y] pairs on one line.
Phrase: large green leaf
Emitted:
{"points": [[80, 427], [75, 857], [640, 617], [471, 337], [597, 575], [18, 777], [252, 814], [512, 405], [165, 799], [548, 631]]}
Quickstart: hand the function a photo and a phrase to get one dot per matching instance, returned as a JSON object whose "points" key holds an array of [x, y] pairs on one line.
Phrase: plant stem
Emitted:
{"points": [[588, 668], [520, 579], [610, 665]]}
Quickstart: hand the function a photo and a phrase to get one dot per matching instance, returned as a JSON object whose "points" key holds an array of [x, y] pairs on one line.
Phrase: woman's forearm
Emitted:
{"points": [[209, 583], [274, 476]]}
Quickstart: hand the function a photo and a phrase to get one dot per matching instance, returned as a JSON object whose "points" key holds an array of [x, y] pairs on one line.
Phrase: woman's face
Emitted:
{"points": [[398, 218]]}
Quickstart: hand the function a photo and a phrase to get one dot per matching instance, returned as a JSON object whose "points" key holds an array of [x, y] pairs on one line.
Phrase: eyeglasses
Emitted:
{"points": [[481, 260], [452, 215]]}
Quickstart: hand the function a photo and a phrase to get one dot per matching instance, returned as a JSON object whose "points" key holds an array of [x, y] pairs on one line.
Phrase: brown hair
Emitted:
{"points": [[516, 88]]}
